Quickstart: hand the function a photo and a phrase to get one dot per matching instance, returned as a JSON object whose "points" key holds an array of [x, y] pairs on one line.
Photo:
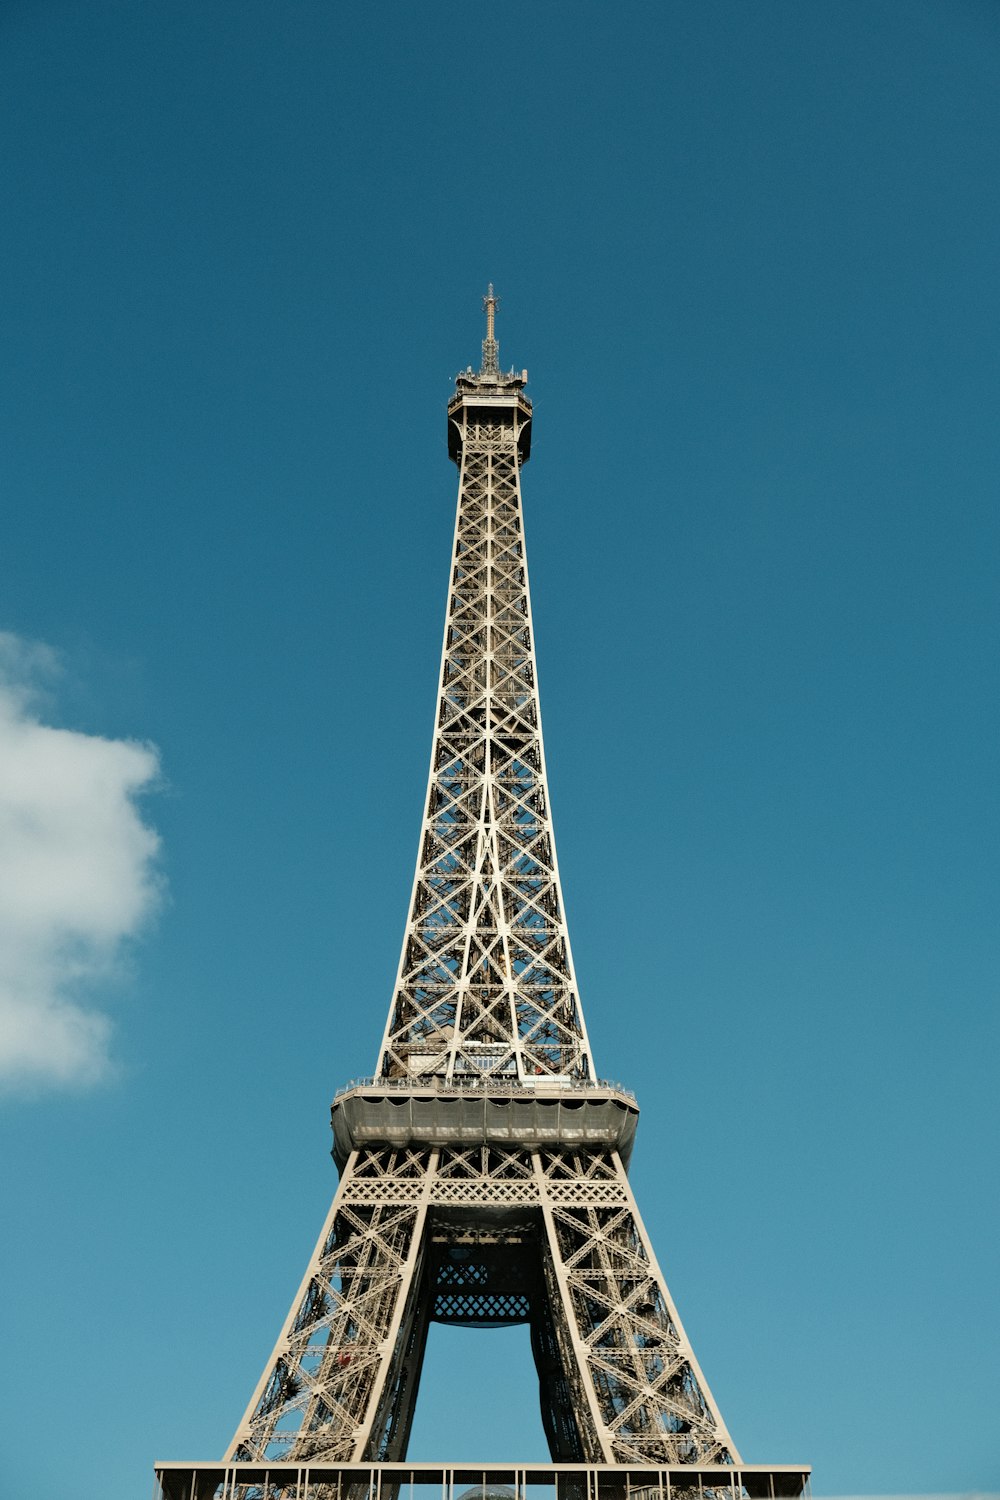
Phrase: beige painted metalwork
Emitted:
{"points": [[484, 1166], [485, 981], [485, 1235]]}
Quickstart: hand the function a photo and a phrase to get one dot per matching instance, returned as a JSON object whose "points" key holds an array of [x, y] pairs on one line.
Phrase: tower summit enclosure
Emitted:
{"points": [[483, 1168]]}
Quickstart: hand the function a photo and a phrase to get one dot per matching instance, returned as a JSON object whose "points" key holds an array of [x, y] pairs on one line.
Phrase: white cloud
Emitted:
{"points": [[77, 876]]}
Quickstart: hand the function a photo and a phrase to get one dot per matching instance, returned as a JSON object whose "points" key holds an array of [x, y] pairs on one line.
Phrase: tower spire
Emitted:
{"points": [[490, 368]]}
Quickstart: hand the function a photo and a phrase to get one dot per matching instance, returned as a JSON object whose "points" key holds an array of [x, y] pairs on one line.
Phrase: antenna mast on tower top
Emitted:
{"points": [[490, 368]]}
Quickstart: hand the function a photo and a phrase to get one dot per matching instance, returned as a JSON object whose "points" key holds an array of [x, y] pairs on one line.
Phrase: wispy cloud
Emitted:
{"points": [[77, 877]]}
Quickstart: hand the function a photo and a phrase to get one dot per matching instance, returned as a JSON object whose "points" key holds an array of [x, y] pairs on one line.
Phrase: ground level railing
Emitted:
{"points": [[495, 1481]]}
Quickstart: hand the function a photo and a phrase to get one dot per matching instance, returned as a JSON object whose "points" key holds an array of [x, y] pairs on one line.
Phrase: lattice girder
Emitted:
{"points": [[573, 1261], [485, 981]]}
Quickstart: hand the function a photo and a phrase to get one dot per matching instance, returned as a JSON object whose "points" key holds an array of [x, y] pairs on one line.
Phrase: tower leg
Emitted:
{"points": [[331, 1390], [642, 1390]]}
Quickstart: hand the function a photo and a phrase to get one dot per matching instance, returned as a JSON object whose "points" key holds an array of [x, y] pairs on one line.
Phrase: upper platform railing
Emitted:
{"points": [[486, 1082]]}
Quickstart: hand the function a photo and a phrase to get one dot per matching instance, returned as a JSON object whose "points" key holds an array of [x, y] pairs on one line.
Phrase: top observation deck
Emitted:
{"points": [[482, 399]]}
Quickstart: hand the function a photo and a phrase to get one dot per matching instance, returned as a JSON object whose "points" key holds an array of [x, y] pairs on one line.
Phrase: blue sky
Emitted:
{"points": [[749, 256]]}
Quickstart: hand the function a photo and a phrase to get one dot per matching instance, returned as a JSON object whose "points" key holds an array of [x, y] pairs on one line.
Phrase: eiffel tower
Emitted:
{"points": [[483, 1169]]}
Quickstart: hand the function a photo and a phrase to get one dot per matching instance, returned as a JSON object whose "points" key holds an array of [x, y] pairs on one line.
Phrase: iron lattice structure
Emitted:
{"points": [[486, 978], [483, 1168]]}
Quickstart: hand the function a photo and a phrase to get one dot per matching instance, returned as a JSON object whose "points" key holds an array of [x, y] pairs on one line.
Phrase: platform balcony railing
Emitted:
{"points": [[486, 1081]]}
